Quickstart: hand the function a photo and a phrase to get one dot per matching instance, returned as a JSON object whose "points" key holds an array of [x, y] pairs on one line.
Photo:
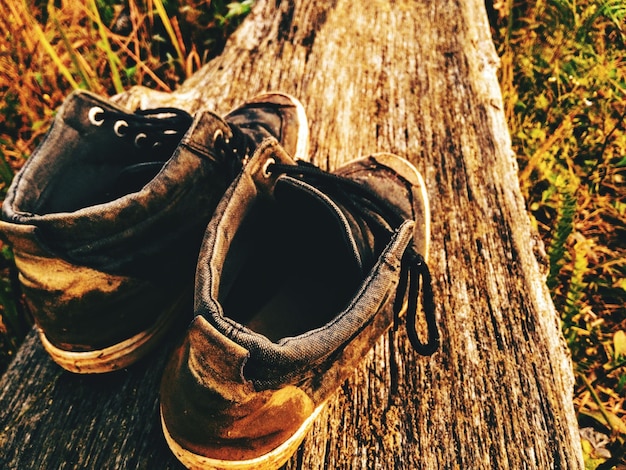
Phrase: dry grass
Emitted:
{"points": [[48, 48]]}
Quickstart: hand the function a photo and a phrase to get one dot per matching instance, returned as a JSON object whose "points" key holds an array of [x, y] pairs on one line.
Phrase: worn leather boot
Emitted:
{"points": [[300, 273], [107, 216]]}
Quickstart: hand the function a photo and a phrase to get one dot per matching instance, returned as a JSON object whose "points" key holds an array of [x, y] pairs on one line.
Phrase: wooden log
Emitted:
{"points": [[416, 78]]}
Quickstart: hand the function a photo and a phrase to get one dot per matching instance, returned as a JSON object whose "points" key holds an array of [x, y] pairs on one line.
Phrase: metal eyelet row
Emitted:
{"points": [[120, 125], [219, 134]]}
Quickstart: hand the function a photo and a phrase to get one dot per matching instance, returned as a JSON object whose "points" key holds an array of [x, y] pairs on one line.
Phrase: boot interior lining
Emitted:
{"points": [[288, 269]]}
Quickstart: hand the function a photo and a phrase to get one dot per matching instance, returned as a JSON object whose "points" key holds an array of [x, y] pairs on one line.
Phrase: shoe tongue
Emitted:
{"points": [[333, 215], [256, 123], [164, 119]]}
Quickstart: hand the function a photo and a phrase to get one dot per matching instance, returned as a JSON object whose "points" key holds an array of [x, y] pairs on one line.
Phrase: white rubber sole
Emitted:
{"points": [[117, 356], [269, 461], [302, 148]]}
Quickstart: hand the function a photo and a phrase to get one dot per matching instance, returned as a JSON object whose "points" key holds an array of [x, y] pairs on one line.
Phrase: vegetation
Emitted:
{"points": [[48, 48], [563, 78]]}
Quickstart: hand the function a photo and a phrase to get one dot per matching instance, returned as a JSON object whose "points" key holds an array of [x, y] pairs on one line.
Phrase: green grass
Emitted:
{"points": [[563, 77]]}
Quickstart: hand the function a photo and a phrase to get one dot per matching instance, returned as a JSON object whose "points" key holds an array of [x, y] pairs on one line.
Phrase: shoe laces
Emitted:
{"points": [[150, 128], [235, 150], [379, 212]]}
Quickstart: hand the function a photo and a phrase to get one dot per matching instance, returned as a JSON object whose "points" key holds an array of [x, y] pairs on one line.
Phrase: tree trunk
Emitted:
{"points": [[415, 78]]}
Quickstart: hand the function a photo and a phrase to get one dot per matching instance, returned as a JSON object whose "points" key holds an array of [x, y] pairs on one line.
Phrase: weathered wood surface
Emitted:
{"points": [[416, 78]]}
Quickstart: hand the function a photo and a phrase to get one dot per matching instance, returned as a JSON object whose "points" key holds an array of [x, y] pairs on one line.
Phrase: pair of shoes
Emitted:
{"points": [[107, 216], [298, 271]]}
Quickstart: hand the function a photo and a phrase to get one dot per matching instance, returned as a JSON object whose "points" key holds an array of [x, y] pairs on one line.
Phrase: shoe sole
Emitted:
{"points": [[302, 147], [271, 460], [117, 356]]}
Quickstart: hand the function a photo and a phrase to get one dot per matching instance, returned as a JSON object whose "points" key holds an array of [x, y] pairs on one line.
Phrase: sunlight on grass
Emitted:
{"points": [[563, 80]]}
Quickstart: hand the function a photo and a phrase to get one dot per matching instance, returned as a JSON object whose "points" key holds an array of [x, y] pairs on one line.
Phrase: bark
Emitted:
{"points": [[415, 78]]}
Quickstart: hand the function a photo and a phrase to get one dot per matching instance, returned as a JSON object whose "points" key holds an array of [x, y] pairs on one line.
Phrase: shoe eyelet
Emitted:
{"points": [[219, 134], [140, 137], [118, 126], [265, 169], [170, 132], [157, 144], [93, 113]]}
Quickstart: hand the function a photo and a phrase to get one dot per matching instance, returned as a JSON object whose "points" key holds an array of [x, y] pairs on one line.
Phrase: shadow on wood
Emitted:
{"points": [[416, 79]]}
